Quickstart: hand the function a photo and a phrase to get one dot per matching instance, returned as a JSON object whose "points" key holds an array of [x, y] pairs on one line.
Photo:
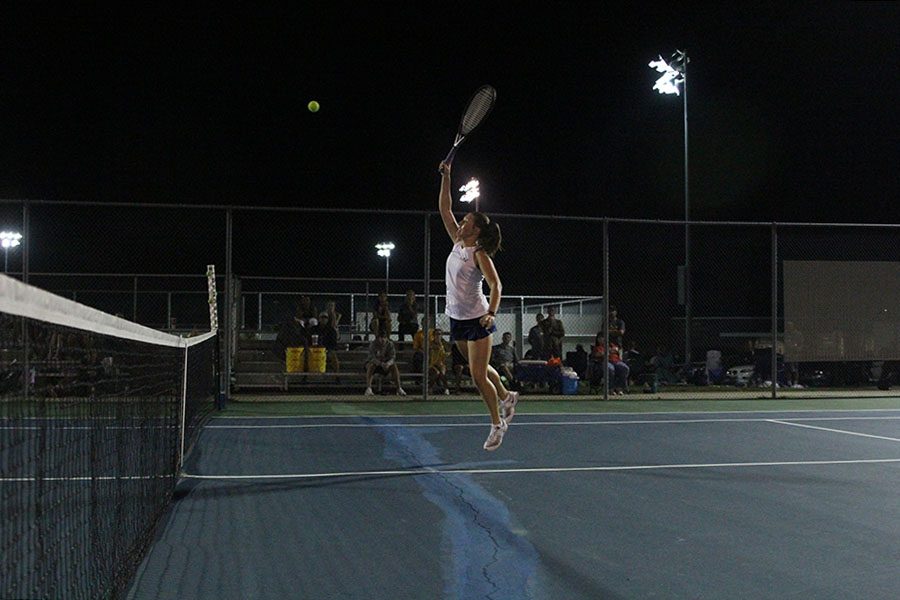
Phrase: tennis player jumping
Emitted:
{"points": [[475, 241]]}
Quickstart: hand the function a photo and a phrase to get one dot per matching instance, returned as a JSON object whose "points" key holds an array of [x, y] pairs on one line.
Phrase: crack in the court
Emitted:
{"points": [[496, 546], [417, 462]]}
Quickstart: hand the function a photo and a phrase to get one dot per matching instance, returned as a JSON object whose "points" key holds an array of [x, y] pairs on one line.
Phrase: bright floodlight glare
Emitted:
{"points": [[670, 78], [9, 239], [384, 248], [470, 191]]}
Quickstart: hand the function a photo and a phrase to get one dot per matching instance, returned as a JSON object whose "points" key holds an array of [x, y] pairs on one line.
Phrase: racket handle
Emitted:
{"points": [[449, 160]]}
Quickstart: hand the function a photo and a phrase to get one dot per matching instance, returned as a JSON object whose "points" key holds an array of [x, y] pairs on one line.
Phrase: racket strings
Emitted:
{"points": [[478, 109]]}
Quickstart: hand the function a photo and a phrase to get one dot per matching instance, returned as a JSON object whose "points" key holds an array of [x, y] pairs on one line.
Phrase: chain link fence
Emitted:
{"points": [[719, 310]]}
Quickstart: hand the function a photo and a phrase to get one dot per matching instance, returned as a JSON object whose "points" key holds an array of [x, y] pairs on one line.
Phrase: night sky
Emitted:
{"points": [[792, 107]]}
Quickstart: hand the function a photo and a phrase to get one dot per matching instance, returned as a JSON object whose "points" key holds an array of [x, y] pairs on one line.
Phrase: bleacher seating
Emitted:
{"points": [[257, 366]]}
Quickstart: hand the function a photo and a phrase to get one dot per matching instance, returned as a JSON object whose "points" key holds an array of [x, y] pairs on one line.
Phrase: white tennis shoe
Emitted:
{"points": [[495, 438], [508, 406]]}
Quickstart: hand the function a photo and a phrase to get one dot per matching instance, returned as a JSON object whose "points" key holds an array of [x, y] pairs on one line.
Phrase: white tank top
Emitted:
{"points": [[465, 298]]}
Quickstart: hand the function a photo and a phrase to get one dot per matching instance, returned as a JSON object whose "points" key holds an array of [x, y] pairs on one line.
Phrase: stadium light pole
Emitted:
{"points": [[674, 81], [8, 239], [384, 249], [470, 192]]}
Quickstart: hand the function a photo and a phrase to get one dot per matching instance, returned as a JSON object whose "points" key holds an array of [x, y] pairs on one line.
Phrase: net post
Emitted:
{"points": [[184, 382], [212, 297]]}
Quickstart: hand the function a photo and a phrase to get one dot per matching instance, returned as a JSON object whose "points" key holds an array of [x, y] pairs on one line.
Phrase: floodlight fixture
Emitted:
{"points": [[384, 249], [471, 192], [673, 73], [8, 239]]}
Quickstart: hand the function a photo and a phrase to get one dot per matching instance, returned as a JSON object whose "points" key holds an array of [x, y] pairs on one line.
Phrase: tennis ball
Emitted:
{"points": [[313, 106]]}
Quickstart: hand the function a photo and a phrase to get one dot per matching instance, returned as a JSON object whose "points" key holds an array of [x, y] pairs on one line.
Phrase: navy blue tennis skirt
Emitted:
{"points": [[469, 330]]}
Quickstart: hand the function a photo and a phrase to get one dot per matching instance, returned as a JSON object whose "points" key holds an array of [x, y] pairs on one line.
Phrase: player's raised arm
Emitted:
{"points": [[445, 203]]}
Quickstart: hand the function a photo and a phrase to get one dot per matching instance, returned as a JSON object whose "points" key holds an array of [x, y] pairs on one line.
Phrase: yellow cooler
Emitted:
{"points": [[294, 360], [316, 360]]}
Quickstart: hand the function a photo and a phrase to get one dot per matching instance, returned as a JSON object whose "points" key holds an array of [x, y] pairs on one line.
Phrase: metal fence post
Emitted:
{"points": [[352, 322], [688, 364], [134, 301], [368, 304], [606, 307], [26, 342], [225, 385], [26, 241], [427, 341], [774, 311], [259, 315]]}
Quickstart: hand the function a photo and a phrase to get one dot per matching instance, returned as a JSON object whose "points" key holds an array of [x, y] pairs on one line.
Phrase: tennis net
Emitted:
{"points": [[96, 416]]}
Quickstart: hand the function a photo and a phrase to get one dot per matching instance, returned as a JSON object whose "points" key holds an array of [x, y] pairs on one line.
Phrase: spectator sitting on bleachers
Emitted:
{"points": [[437, 362], [504, 359], [292, 333], [328, 339], [615, 368], [635, 361], [663, 364], [381, 362], [459, 364], [536, 340], [578, 361], [408, 317], [418, 357]]}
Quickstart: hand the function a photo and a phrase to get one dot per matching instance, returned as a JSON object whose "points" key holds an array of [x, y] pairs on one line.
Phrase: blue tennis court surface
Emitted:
{"points": [[674, 505]]}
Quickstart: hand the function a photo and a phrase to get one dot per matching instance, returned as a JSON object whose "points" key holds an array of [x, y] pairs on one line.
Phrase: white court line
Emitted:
{"points": [[869, 435], [431, 471], [568, 414], [520, 423]]}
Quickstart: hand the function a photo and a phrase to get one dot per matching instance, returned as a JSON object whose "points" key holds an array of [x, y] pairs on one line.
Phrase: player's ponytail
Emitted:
{"points": [[489, 238]]}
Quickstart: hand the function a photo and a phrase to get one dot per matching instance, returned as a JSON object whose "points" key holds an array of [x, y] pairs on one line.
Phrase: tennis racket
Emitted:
{"points": [[477, 110]]}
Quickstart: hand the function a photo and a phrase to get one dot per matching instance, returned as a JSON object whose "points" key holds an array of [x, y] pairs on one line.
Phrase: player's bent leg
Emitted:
{"points": [[479, 354], [494, 376], [507, 399]]}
